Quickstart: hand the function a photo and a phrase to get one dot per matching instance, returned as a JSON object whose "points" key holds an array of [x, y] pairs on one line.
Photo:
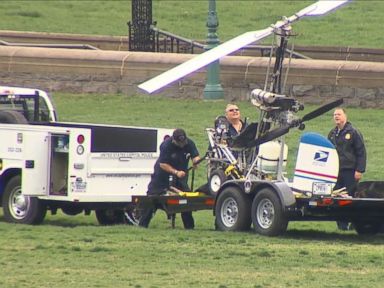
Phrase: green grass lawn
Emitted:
{"points": [[75, 252], [358, 24]]}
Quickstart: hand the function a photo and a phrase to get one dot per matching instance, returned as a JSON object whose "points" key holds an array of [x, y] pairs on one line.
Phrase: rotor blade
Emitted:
{"points": [[204, 59], [170, 76], [321, 110], [321, 7], [269, 136]]}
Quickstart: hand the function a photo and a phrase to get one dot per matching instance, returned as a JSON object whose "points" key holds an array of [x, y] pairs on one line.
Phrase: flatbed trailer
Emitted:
{"points": [[366, 214], [174, 203]]}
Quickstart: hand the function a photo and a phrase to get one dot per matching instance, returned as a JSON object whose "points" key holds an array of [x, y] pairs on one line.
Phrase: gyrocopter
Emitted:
{"points": [[246, 174], [277, 110]]}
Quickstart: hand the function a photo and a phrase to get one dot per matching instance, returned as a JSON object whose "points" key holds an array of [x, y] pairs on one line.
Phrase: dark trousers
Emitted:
{"points": [[188, 221], [346, 179], [147, 214]]}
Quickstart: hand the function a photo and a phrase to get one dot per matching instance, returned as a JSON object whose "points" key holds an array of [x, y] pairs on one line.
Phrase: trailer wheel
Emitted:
{"points": [[233, 210], [21, 209], [12, 117], [110, 216], [216, 179], [365, 227], [267, 214]]}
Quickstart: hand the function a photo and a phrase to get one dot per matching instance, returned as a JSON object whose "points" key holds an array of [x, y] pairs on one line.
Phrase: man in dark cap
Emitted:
{"points": [[175, 153]]}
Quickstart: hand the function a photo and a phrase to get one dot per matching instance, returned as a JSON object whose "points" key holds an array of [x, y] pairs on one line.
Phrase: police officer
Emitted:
{"points": [[175, 153], [350, 147]]}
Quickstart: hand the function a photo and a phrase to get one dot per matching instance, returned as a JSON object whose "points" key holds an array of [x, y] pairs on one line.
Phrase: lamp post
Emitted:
{"points": [[213, 89]]}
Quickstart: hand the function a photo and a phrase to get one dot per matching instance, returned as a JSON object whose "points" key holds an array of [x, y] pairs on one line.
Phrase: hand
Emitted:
{"points": [[358, 175], [195, 162], [180, 174]]}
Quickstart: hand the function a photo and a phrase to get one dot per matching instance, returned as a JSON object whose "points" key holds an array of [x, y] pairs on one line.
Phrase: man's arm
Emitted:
{"points": [[360, 152], [361, 156], [169, 169], [195, 161]]}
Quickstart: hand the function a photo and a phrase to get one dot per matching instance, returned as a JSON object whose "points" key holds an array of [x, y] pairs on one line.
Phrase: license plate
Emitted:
{"points": [[321, 188]]}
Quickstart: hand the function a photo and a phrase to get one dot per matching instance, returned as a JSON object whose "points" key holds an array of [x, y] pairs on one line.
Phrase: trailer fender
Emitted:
{"points": [[282, 190], [285, 193]]}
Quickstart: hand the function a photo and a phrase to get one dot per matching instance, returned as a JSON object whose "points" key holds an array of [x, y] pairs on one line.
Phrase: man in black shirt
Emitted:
{"points": [[175, 153], [350, 147], [236, 125]]}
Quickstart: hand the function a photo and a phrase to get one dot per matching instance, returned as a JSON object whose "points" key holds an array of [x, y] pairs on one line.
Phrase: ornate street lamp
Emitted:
{"points": [[213, 89]]}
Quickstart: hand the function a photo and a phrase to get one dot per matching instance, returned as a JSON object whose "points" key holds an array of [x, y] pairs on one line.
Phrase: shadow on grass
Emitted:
{"points": [[62, 222], [341, 236], [68, 223]]}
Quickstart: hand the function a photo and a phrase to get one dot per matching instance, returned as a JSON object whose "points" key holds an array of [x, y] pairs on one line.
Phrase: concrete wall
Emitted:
{"points": [[97, 71]]}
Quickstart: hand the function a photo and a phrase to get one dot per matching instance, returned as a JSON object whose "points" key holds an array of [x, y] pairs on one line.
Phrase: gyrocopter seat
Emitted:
{"points": [[221, 129]]}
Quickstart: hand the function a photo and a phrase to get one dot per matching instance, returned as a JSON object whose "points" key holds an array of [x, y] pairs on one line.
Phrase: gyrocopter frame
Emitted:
{"points": [[277, 111]]}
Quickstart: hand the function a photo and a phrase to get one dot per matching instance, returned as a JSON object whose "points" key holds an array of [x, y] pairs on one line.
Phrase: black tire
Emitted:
{"points": [[110, 216], [12, 117], [268, 217], [366, 227], [233, 209], [216, 179], [21, 209]]}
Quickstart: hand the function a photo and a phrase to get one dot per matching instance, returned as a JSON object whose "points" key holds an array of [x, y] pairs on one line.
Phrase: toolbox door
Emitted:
{"points": [[36, 153]]}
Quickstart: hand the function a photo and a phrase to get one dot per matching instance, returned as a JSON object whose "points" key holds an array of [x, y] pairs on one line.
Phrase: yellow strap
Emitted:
{"points": [[191, 194]]}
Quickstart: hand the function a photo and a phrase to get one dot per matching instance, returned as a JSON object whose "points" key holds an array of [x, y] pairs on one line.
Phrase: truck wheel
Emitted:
{"points": [[21, 209], [216, 179], [12, 117], [365, 227], [110, 216], [267, 213], [233, 210]]}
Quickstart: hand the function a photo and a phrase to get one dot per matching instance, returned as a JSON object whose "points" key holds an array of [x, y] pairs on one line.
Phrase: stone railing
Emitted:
{"points": [[98, 71]]}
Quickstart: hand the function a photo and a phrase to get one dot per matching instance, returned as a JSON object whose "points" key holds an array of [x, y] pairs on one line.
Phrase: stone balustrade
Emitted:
{"points": [[98, 71]]}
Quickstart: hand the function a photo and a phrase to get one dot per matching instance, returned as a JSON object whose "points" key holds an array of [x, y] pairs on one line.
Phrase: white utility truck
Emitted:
{"points": [[48, 165]]}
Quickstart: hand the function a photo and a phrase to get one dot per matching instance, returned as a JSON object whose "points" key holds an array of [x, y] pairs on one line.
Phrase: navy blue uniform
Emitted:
{"points": [[178, 158], [350, 147]]}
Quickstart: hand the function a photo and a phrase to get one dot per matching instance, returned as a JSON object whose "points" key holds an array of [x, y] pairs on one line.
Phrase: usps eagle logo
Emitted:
{"points": [[321, 156]]}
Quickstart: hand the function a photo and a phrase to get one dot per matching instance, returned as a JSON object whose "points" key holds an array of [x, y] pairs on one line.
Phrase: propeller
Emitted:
{"points": [[269, 136], [319, 8], [321, 110], [246, 138]]}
